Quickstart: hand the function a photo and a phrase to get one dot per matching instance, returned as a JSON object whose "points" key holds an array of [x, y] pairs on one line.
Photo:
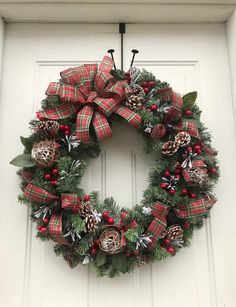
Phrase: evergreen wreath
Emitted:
{"points": [[75, 116]]}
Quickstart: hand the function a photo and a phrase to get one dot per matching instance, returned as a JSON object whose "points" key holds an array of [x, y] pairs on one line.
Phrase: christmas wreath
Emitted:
{"points": [[75, 116]]}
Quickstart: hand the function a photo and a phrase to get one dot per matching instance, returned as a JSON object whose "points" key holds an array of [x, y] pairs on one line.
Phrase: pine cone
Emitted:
{"points": [[175, 232], [47, 128], [134, 102], [86, 209], [138, 90], [183, 138], [91, 223], [170, 148]]}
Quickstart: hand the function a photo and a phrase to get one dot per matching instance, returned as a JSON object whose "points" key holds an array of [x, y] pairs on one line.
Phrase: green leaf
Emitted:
{"points": [[119, 262], [101, 258], [27, 143], [23, 160], [189, 100]]}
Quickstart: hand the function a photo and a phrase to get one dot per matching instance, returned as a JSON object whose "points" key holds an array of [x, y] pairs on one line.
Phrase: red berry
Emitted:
{"points": [[171, 250], [47, 176], [127, 255], [186, 225], [62, 127], [184, 191], [197, 147], [198, 151], [55, 171], [151, 83], [44, 230], [189, 149], [153, 107], [167, 241], [136, 252], [54, 182], [86, 198], [45, 220], [144, 84], [105, 214], [93, 251], [67, 132], [110, 221], [188, 112], [96, 242], [39, 227], [193, 195], [146, 90], [67, 127], [213, 170], [177, 176], [177, 171], [163, 185], [172, 191], [167, 173]]}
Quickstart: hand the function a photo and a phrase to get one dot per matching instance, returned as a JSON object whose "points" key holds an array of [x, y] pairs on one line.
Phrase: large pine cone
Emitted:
{"points": [[175, 232], [183, 138], [91, 223], [85, 209], [170, 148], [138, 90], [134, 103], [47, 128]]}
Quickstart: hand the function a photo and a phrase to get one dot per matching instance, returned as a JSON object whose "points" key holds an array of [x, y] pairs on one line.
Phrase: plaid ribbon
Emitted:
{"points": [[207, 150], [196, 163], [93, 94], [38, 195], [27, 175], [159, 211], [191, 128], [70, 201], [55, 229], [123, 226], [158, 131]]}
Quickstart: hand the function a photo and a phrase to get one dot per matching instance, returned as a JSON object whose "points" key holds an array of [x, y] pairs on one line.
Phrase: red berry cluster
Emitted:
{"points": [[135, 253], [188, 113], [196, 148], [65, 129], [108, 219], [94, 246], [147, 85], [167, 174], [43, 228], [185, 192], [52, 176], [167, 247]]}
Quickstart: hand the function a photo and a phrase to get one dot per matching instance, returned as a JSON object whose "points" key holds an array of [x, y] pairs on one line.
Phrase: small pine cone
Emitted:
{"points": [[175, 232], [134, 102], [138, 90], [170, 148], [183, 138], [86, 209], [47, 128], [91, 223]]}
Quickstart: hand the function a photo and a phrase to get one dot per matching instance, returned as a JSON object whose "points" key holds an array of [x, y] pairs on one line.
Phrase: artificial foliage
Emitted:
{"points": [[75, 117]]}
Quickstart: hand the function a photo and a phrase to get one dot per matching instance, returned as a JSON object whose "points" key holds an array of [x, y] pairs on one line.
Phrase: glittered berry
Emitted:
{"points": [[62, 127], [188, 112], [197, 147], [93, 251], [136, 252], [184, 192], [127, 255], [67, 127], [96, 242], [213, 170], [67, 132], [45, 220], [43, 230], [163, 185], [177, 176], [186, 225], [47, 176], [110, 221], [55, 171], [153, 107], [105, 214], [167, 173], [193, 195], [86, 198], [54, 182], [146, 90], [189, 149], [172, 191], [170, 250], [151, 83], [144, 84], [177, 171], [167, 241], [39, 227]]}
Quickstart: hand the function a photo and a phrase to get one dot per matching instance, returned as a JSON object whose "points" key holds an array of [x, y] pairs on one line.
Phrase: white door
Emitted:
{"points": [[190, 57]]}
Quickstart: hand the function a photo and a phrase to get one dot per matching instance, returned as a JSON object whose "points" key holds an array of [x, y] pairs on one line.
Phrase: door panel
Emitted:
{"points": [[192, 57]]}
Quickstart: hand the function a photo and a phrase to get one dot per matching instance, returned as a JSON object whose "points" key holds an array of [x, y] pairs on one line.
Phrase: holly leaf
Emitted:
{"points": [[189, 100], [119, 262], [23, 160], [101, 258], [27, 143]]}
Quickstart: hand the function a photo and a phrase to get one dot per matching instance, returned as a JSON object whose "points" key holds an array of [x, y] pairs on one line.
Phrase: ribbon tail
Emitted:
{"points": [[196, 208], [63, 111], [38, 195], [132, 118], [55, 229], [174, 111], [83, 121], [101, 127]]}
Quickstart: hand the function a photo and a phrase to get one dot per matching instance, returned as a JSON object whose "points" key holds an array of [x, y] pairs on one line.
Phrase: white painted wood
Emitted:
{"points": [[192, 57], [115, 12]]}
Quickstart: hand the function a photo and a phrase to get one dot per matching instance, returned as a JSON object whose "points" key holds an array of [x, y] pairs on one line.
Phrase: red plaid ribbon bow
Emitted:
{"points": [[92, 93], [172, 115], [43, 197], [159, 211]]}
